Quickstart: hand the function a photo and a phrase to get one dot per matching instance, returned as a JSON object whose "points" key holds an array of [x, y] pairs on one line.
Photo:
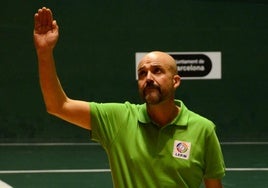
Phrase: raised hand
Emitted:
{"points": [[46, 30]]}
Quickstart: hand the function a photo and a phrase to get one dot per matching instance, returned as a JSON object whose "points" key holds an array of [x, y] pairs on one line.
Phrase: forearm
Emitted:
{"points": [[213, 183], [52, 91]]}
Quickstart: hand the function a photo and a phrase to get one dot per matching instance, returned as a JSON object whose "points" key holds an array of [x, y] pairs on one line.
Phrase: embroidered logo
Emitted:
{"points": [[181, 149]]}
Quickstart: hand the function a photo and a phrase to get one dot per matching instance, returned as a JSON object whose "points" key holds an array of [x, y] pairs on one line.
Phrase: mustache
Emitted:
{"points": [[151, 86]]}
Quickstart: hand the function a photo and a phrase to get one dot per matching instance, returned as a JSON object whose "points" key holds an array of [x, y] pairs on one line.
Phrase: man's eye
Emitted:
{"points": [[157, 71], [141, 73]]}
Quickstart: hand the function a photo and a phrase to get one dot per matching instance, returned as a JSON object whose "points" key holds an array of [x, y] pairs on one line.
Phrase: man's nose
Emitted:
{"points": [[149, 76]]}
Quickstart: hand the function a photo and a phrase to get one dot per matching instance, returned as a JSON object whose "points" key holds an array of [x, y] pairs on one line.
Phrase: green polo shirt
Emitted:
{"points": [[142, 154]]}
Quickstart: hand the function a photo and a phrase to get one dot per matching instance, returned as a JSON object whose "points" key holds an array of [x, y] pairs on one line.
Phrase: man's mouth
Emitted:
{"points": [[150, 88]]}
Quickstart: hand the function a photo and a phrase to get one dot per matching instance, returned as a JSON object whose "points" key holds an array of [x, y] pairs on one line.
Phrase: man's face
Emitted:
{"points": [[156, 79]]}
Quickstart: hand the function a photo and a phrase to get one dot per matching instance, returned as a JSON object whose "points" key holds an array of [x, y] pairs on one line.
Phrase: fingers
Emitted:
{"points": [[43, 18], [55, 25]]}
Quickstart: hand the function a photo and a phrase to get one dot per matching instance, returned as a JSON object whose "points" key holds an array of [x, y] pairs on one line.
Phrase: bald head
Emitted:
{"points": [[162, 58], [158, 78]]}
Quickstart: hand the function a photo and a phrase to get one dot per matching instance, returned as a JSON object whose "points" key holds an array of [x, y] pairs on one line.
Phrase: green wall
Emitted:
{"points": [[95, 59]]}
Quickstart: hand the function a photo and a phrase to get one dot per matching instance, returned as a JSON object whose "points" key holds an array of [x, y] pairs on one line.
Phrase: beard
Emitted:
{"points": [[152, 94]]}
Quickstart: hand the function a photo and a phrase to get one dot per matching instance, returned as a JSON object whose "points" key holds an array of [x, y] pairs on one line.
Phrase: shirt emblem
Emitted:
{"points": [[181, 149]]}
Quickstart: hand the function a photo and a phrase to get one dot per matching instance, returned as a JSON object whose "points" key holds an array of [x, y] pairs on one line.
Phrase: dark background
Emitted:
{"points": [[95, 59]]}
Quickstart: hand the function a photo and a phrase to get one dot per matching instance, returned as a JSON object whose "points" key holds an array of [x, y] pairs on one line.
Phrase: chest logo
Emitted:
{"points": [[181, 149]]}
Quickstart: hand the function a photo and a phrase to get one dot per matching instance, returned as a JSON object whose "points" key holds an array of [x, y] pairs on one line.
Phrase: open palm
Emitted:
{"points": [[46, 30]]}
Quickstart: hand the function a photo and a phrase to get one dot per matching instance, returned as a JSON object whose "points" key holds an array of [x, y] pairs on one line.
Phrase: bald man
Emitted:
{"points": [[156, 144]]}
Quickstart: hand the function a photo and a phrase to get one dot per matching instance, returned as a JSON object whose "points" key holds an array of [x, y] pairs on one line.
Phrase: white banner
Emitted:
{"points": [[193, 65]]}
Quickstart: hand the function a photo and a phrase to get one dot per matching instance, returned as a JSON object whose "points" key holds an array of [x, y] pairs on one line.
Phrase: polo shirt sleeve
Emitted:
{"points": [[214, 162], [106, 119]]}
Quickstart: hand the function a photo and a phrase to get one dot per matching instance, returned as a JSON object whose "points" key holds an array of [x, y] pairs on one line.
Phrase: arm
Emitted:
{"points": [[213, 183], [46, 33]]}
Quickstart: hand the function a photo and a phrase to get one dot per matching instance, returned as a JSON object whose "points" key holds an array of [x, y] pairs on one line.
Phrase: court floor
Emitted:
{"points": [[72, 165]]}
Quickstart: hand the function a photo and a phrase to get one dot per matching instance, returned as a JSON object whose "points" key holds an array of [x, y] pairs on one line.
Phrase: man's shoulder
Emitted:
{"points": [[195, 117], [116, 106]]}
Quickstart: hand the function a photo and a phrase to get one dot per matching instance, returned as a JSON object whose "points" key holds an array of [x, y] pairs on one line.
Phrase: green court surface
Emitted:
{"points": [[86, 165]]}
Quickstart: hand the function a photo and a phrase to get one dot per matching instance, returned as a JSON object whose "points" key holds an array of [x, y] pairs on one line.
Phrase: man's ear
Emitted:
{"points": [[176, 81]]}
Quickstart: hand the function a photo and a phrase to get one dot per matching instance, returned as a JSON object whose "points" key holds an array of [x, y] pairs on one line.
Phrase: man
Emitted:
{"points": [[157, 144]]}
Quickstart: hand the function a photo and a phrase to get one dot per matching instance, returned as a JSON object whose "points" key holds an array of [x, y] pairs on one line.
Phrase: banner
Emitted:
{"points": [[193, 65]]}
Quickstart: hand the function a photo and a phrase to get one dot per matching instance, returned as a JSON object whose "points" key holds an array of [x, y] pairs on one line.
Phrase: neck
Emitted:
{"points": [[163, 113]]}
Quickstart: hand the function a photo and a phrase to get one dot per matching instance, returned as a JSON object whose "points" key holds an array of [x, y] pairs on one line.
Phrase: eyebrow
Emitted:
{"points": [[152, 65]]}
